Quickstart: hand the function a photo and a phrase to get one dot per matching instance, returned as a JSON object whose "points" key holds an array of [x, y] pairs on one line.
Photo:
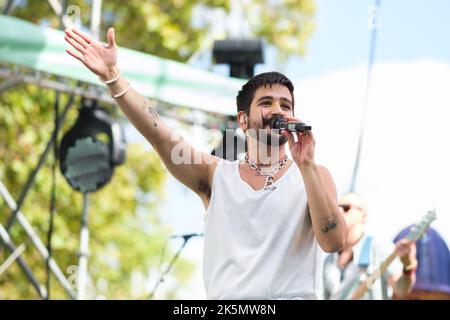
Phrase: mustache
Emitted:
{"points": [[269, 121]]}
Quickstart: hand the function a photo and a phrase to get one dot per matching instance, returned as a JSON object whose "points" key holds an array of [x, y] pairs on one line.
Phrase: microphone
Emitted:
{"points": [[187, 236], [282, 124]]}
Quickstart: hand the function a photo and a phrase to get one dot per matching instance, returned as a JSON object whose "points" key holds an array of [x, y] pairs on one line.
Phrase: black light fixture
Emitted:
{"points": [[91, 149], [240, 54]]}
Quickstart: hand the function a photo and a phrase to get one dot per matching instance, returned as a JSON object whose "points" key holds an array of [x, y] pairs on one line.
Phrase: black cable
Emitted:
{"points": [[163, 251], [53, 193], [172, 262], [32, 176], [373, 45]]}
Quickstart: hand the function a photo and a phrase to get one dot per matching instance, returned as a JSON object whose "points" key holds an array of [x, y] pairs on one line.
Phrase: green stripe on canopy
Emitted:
{"points": [[25, 44]]}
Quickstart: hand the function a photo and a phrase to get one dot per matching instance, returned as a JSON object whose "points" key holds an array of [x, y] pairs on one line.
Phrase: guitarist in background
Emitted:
{"points": [[362, 255]]}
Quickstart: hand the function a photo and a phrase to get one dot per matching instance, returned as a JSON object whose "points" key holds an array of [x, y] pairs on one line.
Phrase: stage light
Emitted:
{"points": [[91, 149], [240, 54]]}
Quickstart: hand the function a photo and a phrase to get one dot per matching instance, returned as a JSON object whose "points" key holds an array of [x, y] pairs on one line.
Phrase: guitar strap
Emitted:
{"points": [[364, 262], [364, 258], [347, 285]]}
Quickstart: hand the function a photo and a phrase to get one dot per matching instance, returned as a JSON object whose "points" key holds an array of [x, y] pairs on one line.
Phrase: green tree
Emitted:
{"points": [[165, 27], [285, 24], [126, 232]]}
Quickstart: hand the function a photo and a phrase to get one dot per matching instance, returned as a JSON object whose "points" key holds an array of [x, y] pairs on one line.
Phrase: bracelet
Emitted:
{"points": [[410, 269], [123, 92], [113, 79], [409, 272]]}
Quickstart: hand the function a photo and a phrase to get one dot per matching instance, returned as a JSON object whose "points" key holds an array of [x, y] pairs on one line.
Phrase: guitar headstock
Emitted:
{"points": [[418, 230]]}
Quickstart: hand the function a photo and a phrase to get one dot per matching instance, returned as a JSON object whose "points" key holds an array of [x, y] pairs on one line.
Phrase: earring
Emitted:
{"points": [[242, 120]]}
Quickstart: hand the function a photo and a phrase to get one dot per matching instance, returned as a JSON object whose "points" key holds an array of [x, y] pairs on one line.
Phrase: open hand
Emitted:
{"points": [[101, 59]]}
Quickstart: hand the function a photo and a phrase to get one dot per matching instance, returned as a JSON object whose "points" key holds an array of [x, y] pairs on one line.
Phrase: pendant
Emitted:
{"points": [[269, 184]]}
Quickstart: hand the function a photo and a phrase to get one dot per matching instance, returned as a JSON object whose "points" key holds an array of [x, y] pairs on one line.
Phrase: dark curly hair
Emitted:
{"points": [[246, 94]]}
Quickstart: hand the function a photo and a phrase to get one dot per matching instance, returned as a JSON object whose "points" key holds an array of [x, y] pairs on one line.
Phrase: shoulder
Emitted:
{"points": [[218, 164], [221, 164], [209, 164], [323, 171], [327, 179], [206, 185]]}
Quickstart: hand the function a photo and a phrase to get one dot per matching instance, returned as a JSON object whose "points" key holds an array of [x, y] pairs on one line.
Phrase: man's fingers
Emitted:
{"points": [[406, 241], [77, 39], [111, 38], [290, 138], [82, 35], [292, 119], [74, 44], [404, 247], [305, 134], [77, 56]]}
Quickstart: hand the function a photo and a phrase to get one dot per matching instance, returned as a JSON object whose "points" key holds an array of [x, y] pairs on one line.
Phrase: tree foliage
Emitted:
{"points": [[285, 24], [165, 27], [126, 232]]}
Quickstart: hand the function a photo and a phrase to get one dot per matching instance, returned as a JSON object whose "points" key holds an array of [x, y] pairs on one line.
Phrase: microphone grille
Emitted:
{"points": [[275, 122], [272, 122]]}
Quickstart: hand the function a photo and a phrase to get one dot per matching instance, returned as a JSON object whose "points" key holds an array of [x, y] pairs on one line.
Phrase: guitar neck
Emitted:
{"points": [[415, 232], [366, 285]]}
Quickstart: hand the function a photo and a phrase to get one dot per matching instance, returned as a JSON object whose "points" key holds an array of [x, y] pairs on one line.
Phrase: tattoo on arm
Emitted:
{"points": [[330, 223], [147, 106]]}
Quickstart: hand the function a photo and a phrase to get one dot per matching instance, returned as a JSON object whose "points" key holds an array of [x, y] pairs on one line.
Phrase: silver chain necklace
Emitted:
{"points": [[269, 174]]}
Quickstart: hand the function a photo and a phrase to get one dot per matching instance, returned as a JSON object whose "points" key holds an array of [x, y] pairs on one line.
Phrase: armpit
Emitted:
{"points": [[204, 188]]}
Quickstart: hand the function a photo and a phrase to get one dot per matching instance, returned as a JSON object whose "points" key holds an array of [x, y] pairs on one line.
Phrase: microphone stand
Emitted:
{"points": [[172, 262]]}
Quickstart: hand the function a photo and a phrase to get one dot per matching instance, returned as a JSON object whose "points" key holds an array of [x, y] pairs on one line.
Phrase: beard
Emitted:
{"points": [[271, 137], [266, 135]]}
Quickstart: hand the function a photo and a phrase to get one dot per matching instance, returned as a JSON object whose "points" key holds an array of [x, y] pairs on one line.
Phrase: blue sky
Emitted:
{"points": [[409, 30]]}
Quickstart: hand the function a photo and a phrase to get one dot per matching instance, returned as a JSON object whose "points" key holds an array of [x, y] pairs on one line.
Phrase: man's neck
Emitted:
{"points": [[262, 154]]}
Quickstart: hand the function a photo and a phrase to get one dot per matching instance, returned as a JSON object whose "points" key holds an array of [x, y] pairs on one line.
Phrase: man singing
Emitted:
{"points": [[267, 216]]}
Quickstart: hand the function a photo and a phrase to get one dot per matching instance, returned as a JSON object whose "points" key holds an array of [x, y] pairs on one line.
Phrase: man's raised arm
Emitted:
{"points": [[101, 60]]}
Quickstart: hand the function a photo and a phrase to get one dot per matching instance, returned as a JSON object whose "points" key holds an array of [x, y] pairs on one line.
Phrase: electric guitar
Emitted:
{"points": [[414, 234]]}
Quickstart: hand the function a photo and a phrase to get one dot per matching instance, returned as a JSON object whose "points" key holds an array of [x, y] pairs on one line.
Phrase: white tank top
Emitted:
{"points": [[259, 244]]}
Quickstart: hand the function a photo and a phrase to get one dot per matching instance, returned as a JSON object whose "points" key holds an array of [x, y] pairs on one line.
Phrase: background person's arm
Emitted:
{"points": [[403, 283]]}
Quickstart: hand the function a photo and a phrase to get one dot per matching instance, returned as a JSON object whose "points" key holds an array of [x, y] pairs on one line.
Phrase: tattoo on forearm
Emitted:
{"points": [[330, 223], [147, 106]]}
